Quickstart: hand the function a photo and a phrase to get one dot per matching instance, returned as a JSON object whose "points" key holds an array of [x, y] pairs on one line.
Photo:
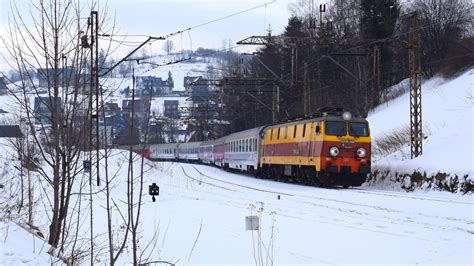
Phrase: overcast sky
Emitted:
{"points": [[161, 17]]}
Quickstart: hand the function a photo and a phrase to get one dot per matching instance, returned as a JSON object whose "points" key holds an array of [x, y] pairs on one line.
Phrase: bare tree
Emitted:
{"points": [[168, 47], [443, 24], [49, 39]]}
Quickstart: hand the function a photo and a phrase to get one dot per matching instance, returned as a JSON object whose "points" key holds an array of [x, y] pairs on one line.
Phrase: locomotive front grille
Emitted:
{"points": [[345, 169]]}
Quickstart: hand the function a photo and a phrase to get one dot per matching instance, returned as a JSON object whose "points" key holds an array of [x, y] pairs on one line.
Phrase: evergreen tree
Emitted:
{"points": [[378, 21]]}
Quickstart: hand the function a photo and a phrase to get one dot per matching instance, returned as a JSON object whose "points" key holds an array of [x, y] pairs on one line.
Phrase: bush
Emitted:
{"points": [[459, 58], [392, 142]]}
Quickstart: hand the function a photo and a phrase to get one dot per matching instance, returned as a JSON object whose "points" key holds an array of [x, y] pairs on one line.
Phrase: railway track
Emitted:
{"points": [[341, 203], [349, 190]]}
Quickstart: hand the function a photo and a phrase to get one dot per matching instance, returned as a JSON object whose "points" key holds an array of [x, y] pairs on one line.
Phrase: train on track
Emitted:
{"points": [[331, 148]]}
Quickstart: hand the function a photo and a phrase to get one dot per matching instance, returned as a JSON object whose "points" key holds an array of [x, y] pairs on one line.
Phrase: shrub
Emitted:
{"points": [[392, 142], [459, 58]]}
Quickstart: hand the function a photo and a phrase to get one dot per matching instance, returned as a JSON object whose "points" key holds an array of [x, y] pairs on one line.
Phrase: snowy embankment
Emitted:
{"points": [[447, 115], [21, 247]]}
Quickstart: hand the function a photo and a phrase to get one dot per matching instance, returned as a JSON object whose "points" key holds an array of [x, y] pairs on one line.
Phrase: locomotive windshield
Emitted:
{"points": [[335, 128], [358, 129]]}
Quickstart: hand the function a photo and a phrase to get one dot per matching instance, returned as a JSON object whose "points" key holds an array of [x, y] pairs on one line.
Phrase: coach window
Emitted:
{"points": [[294, 132], [278, 135], [271, 134], [304, 130], [286, 132]]}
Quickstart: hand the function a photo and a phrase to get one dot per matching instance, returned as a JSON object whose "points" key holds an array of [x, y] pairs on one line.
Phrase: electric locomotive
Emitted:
{"points": [[332, 148]]}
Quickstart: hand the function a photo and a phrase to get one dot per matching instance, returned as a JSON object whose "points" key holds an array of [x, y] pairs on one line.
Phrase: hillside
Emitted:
{"points": [[447, 115]]}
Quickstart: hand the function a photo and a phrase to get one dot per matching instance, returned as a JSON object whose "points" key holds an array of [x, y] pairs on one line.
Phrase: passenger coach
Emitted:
{"points": [[242, 150]]}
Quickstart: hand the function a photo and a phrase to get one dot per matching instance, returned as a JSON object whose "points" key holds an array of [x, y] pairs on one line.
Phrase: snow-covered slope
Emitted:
{"points": [[19, 247], [447, 115]]}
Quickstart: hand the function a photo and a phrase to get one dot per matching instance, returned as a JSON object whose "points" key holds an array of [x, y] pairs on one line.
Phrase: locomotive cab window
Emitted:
{"points": [[358, 129], [335, 128]]}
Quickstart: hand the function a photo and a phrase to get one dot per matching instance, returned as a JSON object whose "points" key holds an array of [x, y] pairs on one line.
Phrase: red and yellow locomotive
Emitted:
{"points": [[330, 149]]}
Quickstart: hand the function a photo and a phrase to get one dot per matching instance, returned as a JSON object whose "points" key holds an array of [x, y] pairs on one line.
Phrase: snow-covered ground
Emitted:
{"points": [[20, 247], [199, 219], [447, 115], [199, 216]]}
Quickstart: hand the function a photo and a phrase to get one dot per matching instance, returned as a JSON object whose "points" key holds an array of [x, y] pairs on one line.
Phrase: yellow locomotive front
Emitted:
{"points": [[331, 149]]}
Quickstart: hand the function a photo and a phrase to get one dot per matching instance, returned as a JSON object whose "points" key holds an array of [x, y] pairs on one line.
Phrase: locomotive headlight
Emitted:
{"points": [[346, 116], [361, 152], [334, 151]]}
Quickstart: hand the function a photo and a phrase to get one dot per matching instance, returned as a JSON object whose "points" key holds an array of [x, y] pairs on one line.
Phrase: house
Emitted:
{"points": [[46, 76], [44, 108], [188, 83], [10, 131], [171, 109], [154, 86], [3, 86]]}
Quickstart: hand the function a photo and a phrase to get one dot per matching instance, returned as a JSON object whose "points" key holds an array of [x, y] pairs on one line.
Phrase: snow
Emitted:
{"points": [[178, 71], [19, 247], [447, 115], [199, 216]]}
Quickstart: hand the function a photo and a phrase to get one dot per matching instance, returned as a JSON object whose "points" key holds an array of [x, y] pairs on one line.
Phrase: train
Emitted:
{"points": [[331, 148]]}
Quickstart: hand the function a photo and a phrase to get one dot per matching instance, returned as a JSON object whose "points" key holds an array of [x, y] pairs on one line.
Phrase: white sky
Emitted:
{"points": [[162, 17]]}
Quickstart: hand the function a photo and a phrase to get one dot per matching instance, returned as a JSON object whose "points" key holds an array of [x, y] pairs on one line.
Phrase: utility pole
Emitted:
{"points": [[306, 91], [95, 36], [415, 88], [376, 72]]}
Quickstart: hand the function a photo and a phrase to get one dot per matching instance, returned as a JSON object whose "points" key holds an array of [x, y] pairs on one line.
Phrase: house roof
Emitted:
{"points": [[8, 131]]}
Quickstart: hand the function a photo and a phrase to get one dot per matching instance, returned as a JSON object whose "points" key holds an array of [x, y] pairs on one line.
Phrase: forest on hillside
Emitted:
{"points": [[329, 58]]}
